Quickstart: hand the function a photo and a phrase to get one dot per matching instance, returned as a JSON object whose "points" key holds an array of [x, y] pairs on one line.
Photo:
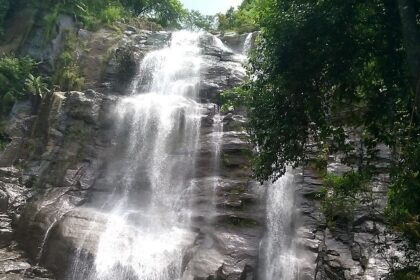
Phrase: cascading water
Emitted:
{"points": [[247, 44], [217, 142], [278, 253], [156, 140]]}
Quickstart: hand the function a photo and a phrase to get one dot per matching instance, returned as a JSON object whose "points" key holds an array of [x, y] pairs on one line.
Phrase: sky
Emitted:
{"points": [[210, 7]]}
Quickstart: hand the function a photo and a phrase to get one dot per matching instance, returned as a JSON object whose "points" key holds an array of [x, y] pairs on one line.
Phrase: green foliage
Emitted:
{"points": [[410, 273], [235, 98], [196, 20], [36, 86], [404, 195], [340, 195], [86, 16], [323, 66], [13, 73], [112, 14], [242, 19], [168, 13], [50, 21], [68, 74]]}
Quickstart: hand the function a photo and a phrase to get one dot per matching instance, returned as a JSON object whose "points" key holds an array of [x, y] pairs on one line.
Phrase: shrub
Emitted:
{"points": [[112, 14], [50, 21], [404, 194], [36, 86], [13, 73], [71, 79], [340, 195], [68, 75]]}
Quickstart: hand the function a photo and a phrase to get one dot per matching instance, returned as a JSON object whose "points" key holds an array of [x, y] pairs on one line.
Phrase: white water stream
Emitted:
{"points": [[247, 44], [278, 252], [157, 138]]}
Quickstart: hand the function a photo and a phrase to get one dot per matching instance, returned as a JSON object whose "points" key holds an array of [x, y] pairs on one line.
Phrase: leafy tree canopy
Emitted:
{"points": [[196, 20], [242, 19]]}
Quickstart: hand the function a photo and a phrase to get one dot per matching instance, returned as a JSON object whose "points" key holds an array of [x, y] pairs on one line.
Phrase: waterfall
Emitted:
{"points": [[217, 139], [156, 140], [278, 252], [247, 44]]}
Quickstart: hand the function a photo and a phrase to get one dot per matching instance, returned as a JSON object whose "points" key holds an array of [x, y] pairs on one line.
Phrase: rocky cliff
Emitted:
{"points": [[55, 161], [356, 242]]}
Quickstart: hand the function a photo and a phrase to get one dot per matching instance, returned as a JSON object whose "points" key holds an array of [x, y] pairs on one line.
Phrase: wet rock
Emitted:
{"points": [[18, 127], [222, 69], [95, 53], [205, 264], [236, 41], [14, 265], [78, 231], [39, 218], [131, 28], [9, 173]]}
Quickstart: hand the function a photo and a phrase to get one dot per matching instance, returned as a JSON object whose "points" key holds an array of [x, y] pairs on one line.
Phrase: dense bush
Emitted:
{"points": [[112, 14], [404, 195], [13, 74], [341, 194]]}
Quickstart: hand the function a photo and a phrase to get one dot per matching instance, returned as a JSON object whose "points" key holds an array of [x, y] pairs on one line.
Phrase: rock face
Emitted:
{"points": [[237, 42], [222, 69], [47, 51], [356, 246], [228, 236], [14, 263]]}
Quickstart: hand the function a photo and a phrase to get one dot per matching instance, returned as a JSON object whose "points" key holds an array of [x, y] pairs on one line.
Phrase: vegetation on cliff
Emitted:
{"points": [[90, 14], [13, 74], [93, 13]]}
